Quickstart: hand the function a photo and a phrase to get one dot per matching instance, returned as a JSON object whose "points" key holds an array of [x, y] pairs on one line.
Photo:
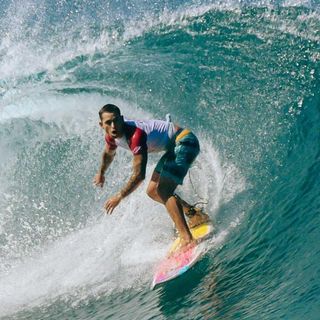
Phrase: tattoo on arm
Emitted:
{"points": [[138, 175]]}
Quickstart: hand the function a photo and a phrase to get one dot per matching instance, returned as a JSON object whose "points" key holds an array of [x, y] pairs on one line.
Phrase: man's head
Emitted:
{"points": [[111, 120]]}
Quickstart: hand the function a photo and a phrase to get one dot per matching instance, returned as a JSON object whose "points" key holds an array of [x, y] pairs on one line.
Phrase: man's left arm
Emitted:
{"points": [[138, 175]]}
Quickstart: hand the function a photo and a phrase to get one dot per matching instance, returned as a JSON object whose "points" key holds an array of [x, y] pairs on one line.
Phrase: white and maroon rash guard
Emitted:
{"points": [[144, 136]]}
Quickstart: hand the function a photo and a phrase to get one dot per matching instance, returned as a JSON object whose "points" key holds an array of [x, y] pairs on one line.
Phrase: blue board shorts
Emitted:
{"points": [[175, 163]]}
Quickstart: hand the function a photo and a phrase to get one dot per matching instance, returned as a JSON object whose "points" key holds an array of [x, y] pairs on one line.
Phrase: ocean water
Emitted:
{"points": [[243, 75]]}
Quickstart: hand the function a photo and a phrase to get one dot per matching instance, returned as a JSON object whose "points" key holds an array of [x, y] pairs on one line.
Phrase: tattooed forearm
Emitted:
{"points": [[139, 170], [132, 184]]}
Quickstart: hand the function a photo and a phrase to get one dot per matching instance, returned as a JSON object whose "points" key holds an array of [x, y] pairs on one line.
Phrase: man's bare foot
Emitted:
{"points": [[198, 218], [184, 243], [184, 246]]}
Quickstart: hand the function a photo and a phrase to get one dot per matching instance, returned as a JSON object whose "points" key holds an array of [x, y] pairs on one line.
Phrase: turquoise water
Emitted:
{"points": [[243, 75]]}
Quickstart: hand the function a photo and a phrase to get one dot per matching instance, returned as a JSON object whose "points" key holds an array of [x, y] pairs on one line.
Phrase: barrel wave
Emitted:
{"points": [[243, 76]]}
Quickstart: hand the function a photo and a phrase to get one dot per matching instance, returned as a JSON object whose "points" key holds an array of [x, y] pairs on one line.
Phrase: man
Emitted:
{"points": [[141, 137]]}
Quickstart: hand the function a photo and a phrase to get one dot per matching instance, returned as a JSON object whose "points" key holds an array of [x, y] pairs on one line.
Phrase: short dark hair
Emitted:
{"points": [[109, 108]]}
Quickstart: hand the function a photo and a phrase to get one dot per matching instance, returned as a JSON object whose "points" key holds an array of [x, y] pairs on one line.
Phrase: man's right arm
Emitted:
{"points": [[106, 159]]}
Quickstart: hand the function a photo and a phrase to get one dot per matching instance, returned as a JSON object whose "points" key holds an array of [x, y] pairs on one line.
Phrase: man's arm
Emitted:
{"points": [[138, 175], [106, 159]]}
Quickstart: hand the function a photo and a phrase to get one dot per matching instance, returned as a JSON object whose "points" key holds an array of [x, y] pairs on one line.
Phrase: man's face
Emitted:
{"points": [[112, 124]]}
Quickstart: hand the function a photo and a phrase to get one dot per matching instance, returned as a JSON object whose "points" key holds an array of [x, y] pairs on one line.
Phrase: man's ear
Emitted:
{"points": [[100, 124]]}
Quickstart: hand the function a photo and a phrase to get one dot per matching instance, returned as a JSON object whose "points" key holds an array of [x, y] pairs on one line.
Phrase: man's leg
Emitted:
{"points": [[152, 192], [165, 192], [196, 216]]}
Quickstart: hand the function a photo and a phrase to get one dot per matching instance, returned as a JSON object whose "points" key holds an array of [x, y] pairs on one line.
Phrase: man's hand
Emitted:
{"points": [[112, 203], [99, 180]]}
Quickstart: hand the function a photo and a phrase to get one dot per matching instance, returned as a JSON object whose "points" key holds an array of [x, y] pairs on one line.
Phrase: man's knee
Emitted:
{"points": [[164, 191], [152, 191]]}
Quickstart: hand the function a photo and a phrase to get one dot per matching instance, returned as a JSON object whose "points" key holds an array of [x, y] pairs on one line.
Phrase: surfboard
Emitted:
{"points": [[177, 260]]}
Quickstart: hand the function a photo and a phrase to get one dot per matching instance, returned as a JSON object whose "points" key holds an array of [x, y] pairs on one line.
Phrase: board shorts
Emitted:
{"points": [[176, 162]]}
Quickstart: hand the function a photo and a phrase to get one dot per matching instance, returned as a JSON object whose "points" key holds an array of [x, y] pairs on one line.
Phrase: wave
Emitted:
{"points": [[245, 78]]}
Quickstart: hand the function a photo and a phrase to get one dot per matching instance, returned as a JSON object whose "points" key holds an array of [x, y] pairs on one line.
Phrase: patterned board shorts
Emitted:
{"points": [[175, 163]]}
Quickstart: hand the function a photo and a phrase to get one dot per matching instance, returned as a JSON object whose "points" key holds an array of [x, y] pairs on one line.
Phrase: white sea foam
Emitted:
{"points": [[112, 252], [24, 54]]}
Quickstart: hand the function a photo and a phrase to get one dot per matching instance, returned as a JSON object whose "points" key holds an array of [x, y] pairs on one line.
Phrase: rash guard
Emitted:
{"points": [[144, 136]]}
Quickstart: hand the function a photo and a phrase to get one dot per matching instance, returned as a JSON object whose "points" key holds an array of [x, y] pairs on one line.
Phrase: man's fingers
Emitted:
{"points": [[98, 183], [110, 210], [108, 207], [111, 204]]}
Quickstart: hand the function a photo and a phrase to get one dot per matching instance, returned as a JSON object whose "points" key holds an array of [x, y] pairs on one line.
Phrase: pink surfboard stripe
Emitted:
{"points": [[176, 264]]}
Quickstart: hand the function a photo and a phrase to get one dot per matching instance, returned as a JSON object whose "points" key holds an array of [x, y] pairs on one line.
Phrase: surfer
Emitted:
{"points": [[181, 147]]}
